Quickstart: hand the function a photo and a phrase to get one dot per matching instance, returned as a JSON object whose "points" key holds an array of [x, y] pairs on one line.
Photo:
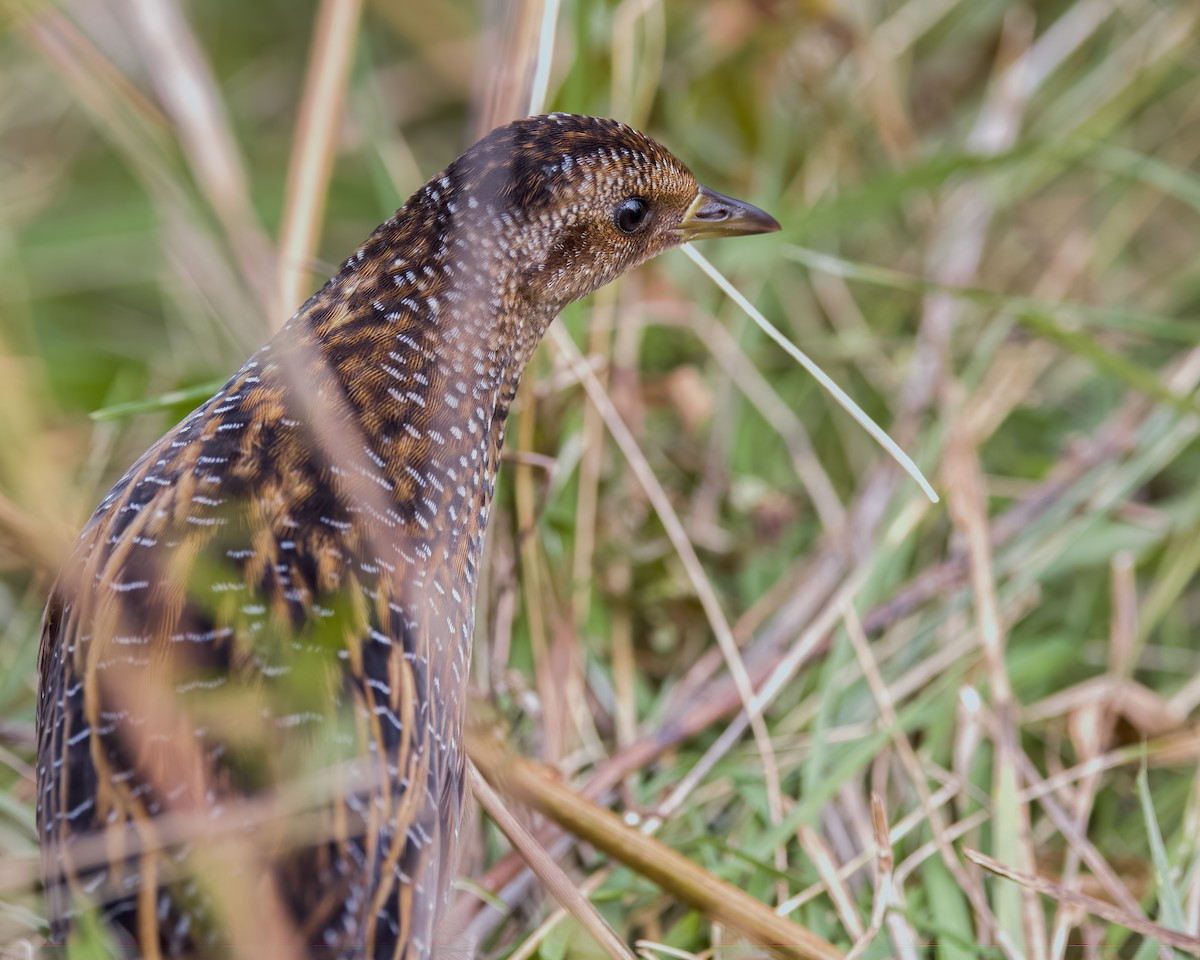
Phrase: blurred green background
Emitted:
{"points": [[990, 241]]}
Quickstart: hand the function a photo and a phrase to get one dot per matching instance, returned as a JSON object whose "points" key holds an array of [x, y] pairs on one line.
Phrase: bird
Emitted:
{"points": [[272, 610]]}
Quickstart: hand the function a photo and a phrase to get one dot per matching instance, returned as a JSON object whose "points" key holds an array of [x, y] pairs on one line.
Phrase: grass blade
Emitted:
{"points": [[802, 358]]}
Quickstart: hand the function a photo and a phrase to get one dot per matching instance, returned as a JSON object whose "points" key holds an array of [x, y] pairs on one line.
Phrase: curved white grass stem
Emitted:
{"points": [[802, 358]]}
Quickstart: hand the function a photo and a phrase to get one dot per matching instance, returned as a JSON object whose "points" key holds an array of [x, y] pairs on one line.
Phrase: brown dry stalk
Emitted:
{"points": [[719, 901], [334, 33], [550, 873], [1099, 908], [916, 773]]}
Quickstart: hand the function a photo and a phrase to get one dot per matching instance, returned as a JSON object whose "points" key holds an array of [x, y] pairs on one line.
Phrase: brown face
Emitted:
{"points": [[576, 201]]}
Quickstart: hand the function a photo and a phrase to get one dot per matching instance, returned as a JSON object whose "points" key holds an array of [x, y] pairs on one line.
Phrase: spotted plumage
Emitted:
{"points": [[268, 620]]}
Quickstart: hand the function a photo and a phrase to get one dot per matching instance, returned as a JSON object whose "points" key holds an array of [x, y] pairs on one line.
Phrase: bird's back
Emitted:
{"points": [[231, 627]]}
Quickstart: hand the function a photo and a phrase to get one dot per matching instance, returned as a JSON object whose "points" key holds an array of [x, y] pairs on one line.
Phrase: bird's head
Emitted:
{"points": [[567, 203]]}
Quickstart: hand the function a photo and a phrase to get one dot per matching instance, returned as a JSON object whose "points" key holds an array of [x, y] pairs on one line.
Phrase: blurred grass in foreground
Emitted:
{"points": [[990, 217]]}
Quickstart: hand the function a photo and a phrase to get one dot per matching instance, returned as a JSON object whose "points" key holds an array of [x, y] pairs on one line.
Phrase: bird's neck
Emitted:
{"points": [[418, 352]]}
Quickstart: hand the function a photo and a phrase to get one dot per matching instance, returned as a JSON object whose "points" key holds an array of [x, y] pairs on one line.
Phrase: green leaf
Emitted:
{"points": [[1170, 906]]}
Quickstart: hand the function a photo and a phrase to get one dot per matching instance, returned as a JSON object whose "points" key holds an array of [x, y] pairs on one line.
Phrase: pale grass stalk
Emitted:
{"points": [[783, 420], [1192, 894], [903, 827], [827, 869], [968, 511], [17, 765], [631, 100], [139, 131], [591, 463], [932, 848], [943, 658], [911, 21], [1100, 908], [334, 34], [903, 938], [545, 57], [1121, 224], [800, 357], [1074, 836], [181, 73], [625, 387], [549, 872], [1093, 729], [965, 212], [806, 643], [1062, 38], [39, 543], [916, 775], [969, 735], [685, 551], [624, 661], [524, 44], [885, 891], [103, 89], [591, 460], [501, 574], [529, 946], [1157, 35], [847, 820], [548, 685], [648, 948]]}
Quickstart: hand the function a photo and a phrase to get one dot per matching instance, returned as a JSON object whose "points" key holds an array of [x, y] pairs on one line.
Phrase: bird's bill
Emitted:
{"points": [[715, 215]]}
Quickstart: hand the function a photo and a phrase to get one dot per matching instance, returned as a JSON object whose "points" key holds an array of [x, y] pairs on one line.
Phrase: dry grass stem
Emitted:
{"points": [[335, 32], [716, 899], [192, 100], [1099, 908], [800, 357], [884, 896], [557, 882]]}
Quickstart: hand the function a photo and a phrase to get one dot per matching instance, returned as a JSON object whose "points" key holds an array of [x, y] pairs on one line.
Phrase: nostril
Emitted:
{"points": [[712, 213]]}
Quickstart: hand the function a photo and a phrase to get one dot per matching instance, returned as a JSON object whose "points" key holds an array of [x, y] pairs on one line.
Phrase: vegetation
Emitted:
{"points": [[990, 234]]}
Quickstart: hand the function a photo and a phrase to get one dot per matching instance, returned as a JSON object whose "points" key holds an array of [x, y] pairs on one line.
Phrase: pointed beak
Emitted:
{"points": [[714, 215]]}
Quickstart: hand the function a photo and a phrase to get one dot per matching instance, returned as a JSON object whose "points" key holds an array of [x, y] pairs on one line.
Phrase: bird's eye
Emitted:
{"points": [[631, 214]]}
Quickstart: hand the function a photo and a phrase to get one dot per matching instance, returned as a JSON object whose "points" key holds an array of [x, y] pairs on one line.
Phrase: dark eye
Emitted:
{"points": [[631, 214]]}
